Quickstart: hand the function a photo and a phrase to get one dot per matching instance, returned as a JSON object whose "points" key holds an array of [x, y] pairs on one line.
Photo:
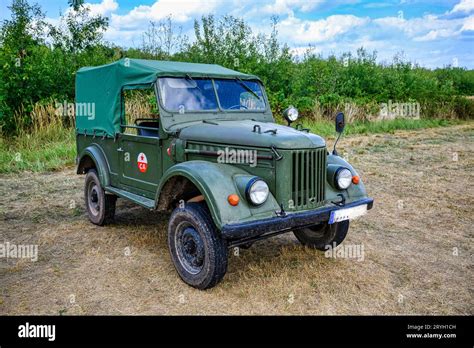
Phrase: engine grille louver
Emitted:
{"points": [[308, 177]]}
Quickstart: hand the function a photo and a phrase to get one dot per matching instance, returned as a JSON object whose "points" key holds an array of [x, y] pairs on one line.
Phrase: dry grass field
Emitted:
{"points": [[418, 245]]}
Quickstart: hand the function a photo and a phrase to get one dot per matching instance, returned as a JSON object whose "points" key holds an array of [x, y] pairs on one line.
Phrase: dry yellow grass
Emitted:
{"points": [[56, 115], [410, 266]]}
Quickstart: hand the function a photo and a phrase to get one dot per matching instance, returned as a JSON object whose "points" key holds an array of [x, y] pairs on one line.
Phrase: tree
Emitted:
{"points": [[19, 38], [76, 4], [32, 71], [162, 39], [78, 30]]}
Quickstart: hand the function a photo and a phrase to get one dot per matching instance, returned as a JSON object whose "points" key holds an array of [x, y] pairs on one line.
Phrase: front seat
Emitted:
{"points": [[148, 132]]}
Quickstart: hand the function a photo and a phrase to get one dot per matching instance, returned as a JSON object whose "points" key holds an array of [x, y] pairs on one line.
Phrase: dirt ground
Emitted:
{"points": [[418, 245]]}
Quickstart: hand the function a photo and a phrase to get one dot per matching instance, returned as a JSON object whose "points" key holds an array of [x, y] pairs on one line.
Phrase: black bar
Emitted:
{"points": [[238, 242], [291, 330], [139, 127]]}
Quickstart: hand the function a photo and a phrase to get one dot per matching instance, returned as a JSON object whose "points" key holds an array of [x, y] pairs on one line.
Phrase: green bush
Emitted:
{"points": [[464, 108], [33, 70]]}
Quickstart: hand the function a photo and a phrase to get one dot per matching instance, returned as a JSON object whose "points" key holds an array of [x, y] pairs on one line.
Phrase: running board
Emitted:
{"points": [[140, 200]]}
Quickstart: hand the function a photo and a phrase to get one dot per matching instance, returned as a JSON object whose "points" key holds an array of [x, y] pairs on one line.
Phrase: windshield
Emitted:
{"points": [[179, 94], [188, 94], [240, 95]]}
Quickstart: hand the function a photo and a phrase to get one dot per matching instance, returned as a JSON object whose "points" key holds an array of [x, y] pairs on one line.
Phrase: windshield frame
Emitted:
{"points": [[219, 106]]}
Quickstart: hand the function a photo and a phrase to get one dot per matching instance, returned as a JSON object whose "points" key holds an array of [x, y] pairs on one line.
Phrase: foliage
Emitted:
{"points": [[78, 30], [32, 70], [163, 38], [39, 62], [20, 38]]}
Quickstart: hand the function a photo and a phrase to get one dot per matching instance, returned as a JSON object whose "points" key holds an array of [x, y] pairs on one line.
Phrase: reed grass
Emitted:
{"points": [[48, 142]]}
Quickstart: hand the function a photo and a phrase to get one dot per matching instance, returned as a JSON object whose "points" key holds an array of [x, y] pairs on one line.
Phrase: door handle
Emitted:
{"points": [[120, 149]]}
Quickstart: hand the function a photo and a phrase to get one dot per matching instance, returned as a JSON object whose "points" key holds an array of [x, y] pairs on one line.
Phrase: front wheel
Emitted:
{"points": [[198, 252], [323, 235]]}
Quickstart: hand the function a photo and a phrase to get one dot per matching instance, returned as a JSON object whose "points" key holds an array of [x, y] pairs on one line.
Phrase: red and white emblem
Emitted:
{"points": [[142, 162]]}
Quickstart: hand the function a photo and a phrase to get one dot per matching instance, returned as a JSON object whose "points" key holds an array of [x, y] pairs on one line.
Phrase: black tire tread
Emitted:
{"points": [[107, 214], [200, 216]]}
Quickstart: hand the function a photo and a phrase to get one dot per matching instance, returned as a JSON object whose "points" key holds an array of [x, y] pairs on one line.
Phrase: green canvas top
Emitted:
{"points": [[99, 89]]}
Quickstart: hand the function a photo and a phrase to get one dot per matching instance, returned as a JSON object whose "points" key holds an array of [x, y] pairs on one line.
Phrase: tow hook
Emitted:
{"points": [[342, 202], [282, 212], [275, 152]]}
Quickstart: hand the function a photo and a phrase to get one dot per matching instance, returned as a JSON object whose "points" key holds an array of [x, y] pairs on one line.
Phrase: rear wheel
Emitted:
{"points": [[198, 252], [320, 236], [100, 206]]}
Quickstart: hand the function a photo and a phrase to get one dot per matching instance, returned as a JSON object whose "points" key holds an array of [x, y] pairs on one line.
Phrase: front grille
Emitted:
{"points": [[308, 177]]}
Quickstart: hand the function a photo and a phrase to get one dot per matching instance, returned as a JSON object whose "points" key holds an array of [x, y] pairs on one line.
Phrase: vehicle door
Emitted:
{"points": [[139, 145]]}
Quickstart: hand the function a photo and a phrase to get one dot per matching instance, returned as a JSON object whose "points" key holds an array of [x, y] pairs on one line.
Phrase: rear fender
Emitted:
{"points": [[93, 153]]}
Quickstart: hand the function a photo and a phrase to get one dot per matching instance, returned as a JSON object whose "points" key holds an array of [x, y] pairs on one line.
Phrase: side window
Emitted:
{"points": [[140, 109]]}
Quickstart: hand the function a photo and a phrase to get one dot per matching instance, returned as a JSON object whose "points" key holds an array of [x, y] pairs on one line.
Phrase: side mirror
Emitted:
{"points": [[340, 123]]}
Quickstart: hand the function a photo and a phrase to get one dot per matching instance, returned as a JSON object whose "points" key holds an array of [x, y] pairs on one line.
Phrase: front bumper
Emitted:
{"points": [[281, 223]]}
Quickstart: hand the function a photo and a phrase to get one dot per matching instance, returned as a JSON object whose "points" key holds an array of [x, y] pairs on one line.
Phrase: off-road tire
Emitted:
{"points": [[323, 235], [100, 206], [205, 265]]}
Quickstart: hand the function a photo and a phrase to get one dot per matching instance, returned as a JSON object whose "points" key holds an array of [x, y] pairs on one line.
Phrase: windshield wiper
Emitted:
{"points": [[188, 77], [247, 88]]}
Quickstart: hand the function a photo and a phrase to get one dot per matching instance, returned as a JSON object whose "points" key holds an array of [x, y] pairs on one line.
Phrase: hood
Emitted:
{"points": [[241, 133]]}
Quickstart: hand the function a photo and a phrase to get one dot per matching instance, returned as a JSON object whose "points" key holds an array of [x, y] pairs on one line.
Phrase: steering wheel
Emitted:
{"points": [[237, 106]]}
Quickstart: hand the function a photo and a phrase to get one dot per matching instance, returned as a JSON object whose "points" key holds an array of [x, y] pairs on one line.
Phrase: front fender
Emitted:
{"points": [[353, 192], [216, 181], [94, 152]]}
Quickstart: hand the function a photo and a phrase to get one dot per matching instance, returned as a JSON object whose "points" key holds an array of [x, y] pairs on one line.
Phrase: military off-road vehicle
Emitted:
{"points": [[213, 156]]}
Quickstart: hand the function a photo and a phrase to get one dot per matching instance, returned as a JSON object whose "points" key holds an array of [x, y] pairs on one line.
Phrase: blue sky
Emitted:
{"points": [[430, 33]]}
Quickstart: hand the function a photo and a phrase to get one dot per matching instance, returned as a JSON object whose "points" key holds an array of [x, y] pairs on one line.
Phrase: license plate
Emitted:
{"points": [[346, 214]]}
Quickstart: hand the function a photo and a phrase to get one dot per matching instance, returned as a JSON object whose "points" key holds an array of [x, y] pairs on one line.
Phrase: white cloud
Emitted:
{"points": [[397, 23], [288, 6], [306, 31], [104, 8], [430, 39], [426, 28], [436, 34], [468, 24], [371, 5], [464, 6], [180, 10]]}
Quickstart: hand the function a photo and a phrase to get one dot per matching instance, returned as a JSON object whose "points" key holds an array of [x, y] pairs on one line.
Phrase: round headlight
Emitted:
{"points": [[291, 114], [343, 178], [257, 191]]}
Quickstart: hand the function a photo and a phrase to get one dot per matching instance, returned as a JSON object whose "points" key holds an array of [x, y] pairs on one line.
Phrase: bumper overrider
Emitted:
{"points": [[285, 222]]}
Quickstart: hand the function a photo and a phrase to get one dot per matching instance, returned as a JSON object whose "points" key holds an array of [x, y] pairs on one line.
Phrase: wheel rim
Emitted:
{"points": [[93, 199], [189, 248]]}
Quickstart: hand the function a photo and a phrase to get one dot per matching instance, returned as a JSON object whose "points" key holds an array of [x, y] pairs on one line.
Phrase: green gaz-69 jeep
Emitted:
{"points": [[212, 154]]}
